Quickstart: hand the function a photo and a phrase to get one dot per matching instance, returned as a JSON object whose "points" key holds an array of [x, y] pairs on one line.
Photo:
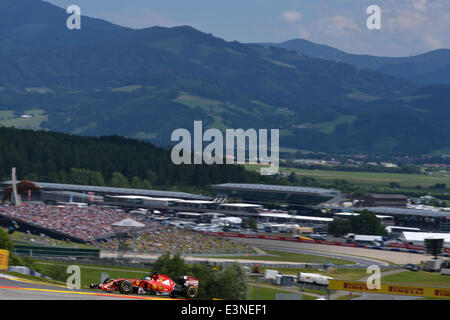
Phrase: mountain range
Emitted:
{"points": [[106, 79], [429, 68]]}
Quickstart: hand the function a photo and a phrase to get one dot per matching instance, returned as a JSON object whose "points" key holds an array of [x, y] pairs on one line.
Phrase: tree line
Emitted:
{"points": [[107, 161], [366, 223]]}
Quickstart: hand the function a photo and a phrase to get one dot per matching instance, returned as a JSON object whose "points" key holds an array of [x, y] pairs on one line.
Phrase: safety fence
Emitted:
{"points": [[33, 251]]}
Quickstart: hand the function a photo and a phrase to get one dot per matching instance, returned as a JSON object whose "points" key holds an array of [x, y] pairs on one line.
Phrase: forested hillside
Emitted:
{"points": [[112, 161], [427, 68]]}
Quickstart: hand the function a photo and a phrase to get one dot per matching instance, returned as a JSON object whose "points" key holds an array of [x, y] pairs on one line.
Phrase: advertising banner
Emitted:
{"points": [[388, 288], [4, 259]]}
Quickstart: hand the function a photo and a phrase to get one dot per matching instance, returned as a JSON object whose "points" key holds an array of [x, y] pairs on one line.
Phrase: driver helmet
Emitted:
{"points": [[147, 278]]}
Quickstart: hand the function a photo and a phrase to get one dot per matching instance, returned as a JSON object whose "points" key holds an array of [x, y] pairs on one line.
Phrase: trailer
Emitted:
{"points": [[313, 278]]}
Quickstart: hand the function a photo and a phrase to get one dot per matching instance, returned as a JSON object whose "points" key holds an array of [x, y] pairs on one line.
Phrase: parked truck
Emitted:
{"points": [[313, 278]]}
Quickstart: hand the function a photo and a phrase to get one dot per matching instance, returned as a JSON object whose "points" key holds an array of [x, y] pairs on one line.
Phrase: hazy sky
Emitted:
{"points": [[409, 27]]}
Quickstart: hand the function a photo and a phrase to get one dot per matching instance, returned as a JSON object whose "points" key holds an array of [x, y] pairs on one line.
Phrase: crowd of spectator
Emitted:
{"points": [[86, 223], [95, 222], [171, 239]]}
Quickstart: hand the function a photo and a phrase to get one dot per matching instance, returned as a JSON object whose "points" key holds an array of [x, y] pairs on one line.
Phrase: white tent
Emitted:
{"points": [[128, 223], [227, 221], [419, 237]]}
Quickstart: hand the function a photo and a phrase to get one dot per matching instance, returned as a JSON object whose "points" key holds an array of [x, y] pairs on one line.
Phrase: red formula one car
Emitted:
{"points": [[156, 284]]}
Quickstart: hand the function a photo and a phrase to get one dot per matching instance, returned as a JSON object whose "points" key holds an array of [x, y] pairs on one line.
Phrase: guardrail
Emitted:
{"points": [[55, 251]]}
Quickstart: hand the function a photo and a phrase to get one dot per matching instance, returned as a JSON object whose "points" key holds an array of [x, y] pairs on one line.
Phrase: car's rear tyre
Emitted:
{"points": [[191, 292], [126, 287]]}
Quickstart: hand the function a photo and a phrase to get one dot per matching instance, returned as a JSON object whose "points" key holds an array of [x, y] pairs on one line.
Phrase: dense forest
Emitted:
{"points": [[110, 160]]}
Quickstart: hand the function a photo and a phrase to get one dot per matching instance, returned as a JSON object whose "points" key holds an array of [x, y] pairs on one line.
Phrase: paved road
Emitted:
{"points": [[345, 252], [266, 244], [255, 260], [359, 260], [15, 289]]}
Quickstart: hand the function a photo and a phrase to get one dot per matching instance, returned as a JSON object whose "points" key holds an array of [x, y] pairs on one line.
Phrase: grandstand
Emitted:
{"points": [[267, 194], [425, 219], [56, 191]]}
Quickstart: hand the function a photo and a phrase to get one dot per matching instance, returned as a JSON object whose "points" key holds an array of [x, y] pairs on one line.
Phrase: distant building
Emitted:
{"points": [[261, 193], [389, 165], [426, 220], [62, 192], [386, 200], [418, 238]]}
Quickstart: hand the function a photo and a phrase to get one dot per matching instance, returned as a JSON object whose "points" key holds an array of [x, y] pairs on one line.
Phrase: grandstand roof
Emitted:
{"points": [[399, 211], [128, 223], [306, 218], [293, 217], [194, 214], [276, 215], [421, 236], [271, 188], [240, 205], [72, 193], [388, 196], [120, 191]]}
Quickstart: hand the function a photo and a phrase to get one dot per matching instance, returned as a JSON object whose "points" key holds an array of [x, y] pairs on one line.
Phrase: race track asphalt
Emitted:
{"points": [[351, 253], [20, 289]]}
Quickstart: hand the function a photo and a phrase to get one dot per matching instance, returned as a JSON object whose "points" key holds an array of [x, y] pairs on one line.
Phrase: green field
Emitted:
{"points": [[291, 257], [266, 293], [328, 127], [127, 88], [6, 114], [381, 179], [10, 119], [213, 107], [419, 278]]}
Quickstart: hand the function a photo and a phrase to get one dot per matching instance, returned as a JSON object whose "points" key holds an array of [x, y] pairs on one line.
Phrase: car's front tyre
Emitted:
{"points": [[191, 292], [126, 287]]}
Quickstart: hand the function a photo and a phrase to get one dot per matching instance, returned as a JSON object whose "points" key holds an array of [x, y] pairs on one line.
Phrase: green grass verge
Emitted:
{"points": [[367, 178], [265, 293], [38, 279], [89, 274], [25, 123], [423, 278]]}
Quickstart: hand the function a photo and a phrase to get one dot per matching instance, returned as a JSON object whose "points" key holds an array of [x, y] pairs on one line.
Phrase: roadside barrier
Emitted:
{"points": [[29, 250]]}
